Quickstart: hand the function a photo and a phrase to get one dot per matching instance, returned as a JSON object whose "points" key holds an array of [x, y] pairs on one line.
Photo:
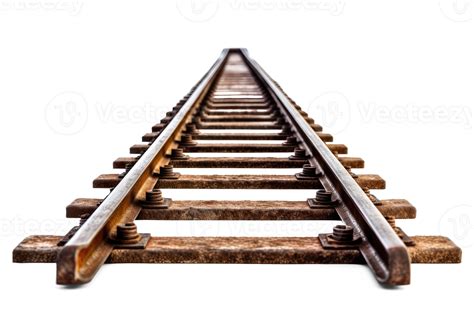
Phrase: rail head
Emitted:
{"points": [[382, 249], [82, 256]]}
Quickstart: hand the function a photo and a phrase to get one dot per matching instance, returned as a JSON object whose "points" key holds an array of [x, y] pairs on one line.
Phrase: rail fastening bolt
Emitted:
{"points": [[324, 197], [127, 233], [290, 141], [342, 233]]}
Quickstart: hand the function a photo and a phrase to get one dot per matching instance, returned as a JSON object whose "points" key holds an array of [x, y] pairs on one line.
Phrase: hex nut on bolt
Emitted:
{"points": [[127, 233], [154, 200], [166, 172], [342, 237], [187, 140], [191, 129], [309, 173], [324, 199], [299, 154], [290, 141], [178, 154], [127, 237]]}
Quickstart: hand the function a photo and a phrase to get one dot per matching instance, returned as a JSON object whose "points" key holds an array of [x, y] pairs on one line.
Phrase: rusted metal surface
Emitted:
{"points": [[236, 95], [238, 162], [237, 118], [240, 181], [139, 148], [382, 249], [370, 181], [122, 162], [235, 162], [238, 148], [246, 113], [88, 249], [240, 136], [242, 210], [353, 162], [148, 137], [274, 250], [230, 106], [240, 125]]}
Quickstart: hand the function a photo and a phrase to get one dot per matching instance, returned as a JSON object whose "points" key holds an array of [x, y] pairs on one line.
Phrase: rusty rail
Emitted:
{"points": [[383, 250], [88, 249]]}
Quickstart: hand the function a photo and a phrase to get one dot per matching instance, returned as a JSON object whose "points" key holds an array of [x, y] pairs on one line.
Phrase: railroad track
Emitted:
{"points": [[237, 94]]}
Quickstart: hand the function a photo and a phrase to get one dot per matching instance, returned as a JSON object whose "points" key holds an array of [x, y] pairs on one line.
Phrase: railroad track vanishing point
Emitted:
{"points": [[237, 94]]}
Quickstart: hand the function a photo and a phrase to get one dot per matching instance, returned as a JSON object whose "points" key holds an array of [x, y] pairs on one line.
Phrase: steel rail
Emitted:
{"points": [[382, 249], [89, 248]]}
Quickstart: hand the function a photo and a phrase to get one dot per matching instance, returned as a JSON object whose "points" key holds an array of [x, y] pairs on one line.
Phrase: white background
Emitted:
{"points": [[393, 81]]}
